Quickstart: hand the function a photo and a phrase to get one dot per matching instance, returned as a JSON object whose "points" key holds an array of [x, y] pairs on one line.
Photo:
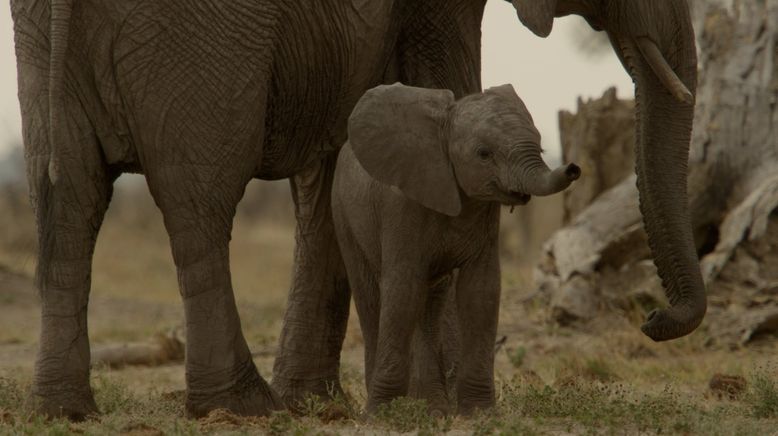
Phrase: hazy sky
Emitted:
{"points": [[549, 74]]}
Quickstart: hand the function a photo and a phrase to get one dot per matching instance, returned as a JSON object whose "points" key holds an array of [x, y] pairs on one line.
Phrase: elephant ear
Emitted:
{"points": [[396, 133], [537, 15], [508, 94]]}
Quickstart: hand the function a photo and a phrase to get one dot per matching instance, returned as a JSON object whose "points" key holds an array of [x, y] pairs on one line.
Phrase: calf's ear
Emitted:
{"points": [[397, 135]]}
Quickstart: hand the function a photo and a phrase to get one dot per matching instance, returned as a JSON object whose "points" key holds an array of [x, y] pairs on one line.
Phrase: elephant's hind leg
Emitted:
{"points": [[220, 372], [308, 360], [69, 213]]}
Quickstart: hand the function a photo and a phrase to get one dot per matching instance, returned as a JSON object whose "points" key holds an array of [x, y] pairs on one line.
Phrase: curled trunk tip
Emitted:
{"points": [[573, 172], [546, 182], [674, 322]]}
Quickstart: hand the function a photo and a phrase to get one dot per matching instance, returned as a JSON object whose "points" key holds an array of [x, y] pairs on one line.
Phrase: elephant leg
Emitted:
{"points": [[367, 302], [429, 364], [308, 360], [450, 336], [478, 304], [220, 372], [70, 212], [402, 303]]}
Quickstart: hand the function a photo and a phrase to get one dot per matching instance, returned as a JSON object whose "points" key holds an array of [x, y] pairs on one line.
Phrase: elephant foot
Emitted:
{"points": [[475, 396], [372, 407], [294, 392], [438, 403], [468, 408], [438, 407], [250, 395], [435, 407], [71, 402]]}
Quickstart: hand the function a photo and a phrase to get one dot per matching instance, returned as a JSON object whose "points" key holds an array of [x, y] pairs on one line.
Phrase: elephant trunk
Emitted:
{"points": [[665, 110], [537, 179]]}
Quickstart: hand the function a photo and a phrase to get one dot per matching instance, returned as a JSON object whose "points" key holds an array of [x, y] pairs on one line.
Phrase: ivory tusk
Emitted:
{"points": [[662, 69]]}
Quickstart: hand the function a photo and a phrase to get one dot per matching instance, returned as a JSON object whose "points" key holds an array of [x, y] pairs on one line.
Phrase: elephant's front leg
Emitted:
{"points": [[403, 294], [430, 361], [308, 360], [478, 303]]}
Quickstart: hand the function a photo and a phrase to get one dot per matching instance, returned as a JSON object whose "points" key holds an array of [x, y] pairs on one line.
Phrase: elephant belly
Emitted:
{"points": [[323, 63], [275, 80], [193, 77]]}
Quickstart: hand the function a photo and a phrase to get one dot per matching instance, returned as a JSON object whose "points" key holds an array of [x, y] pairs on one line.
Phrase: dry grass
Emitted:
{"points": [[577, 406], [551, 380]]}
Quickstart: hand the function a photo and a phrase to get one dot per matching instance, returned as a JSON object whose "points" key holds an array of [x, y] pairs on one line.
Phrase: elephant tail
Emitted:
{"points": [[59, 34]]}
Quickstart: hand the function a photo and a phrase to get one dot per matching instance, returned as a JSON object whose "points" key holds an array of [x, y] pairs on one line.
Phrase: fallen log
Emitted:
{"points": [[161, 349]]}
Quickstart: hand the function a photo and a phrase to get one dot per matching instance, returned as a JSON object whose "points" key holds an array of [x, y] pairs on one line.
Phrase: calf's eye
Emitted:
{"points": [[484, 153]]}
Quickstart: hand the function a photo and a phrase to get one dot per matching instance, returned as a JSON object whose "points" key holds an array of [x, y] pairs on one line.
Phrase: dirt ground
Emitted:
{"points": [[603, 378]]}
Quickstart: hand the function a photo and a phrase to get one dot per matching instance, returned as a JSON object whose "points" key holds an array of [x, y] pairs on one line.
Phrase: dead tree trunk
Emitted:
{"points": [[600, 139], [601, 261]]}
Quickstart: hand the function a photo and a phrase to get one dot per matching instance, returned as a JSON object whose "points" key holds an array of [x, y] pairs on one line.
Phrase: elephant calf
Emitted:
{"points": [[416, 195]]}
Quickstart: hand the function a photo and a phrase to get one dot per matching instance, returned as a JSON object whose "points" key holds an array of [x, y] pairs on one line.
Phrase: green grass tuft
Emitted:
{"points": [[516, 356], [598, 369], [763, 396], [407, 414], [11, 395]]}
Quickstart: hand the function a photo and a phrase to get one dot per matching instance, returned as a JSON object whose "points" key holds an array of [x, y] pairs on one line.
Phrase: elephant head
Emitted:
{"points": [[431, 147], [654, 40]]}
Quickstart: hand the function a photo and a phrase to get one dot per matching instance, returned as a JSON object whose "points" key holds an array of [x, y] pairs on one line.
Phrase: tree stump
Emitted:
{"points": [[599, 138]]}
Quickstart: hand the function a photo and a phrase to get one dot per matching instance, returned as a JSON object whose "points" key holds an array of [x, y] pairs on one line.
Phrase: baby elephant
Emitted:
{"points": [[416, 195]]}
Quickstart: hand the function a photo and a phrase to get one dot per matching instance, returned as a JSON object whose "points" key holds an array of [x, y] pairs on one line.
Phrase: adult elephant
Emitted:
{"points": [[203, 95]]}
